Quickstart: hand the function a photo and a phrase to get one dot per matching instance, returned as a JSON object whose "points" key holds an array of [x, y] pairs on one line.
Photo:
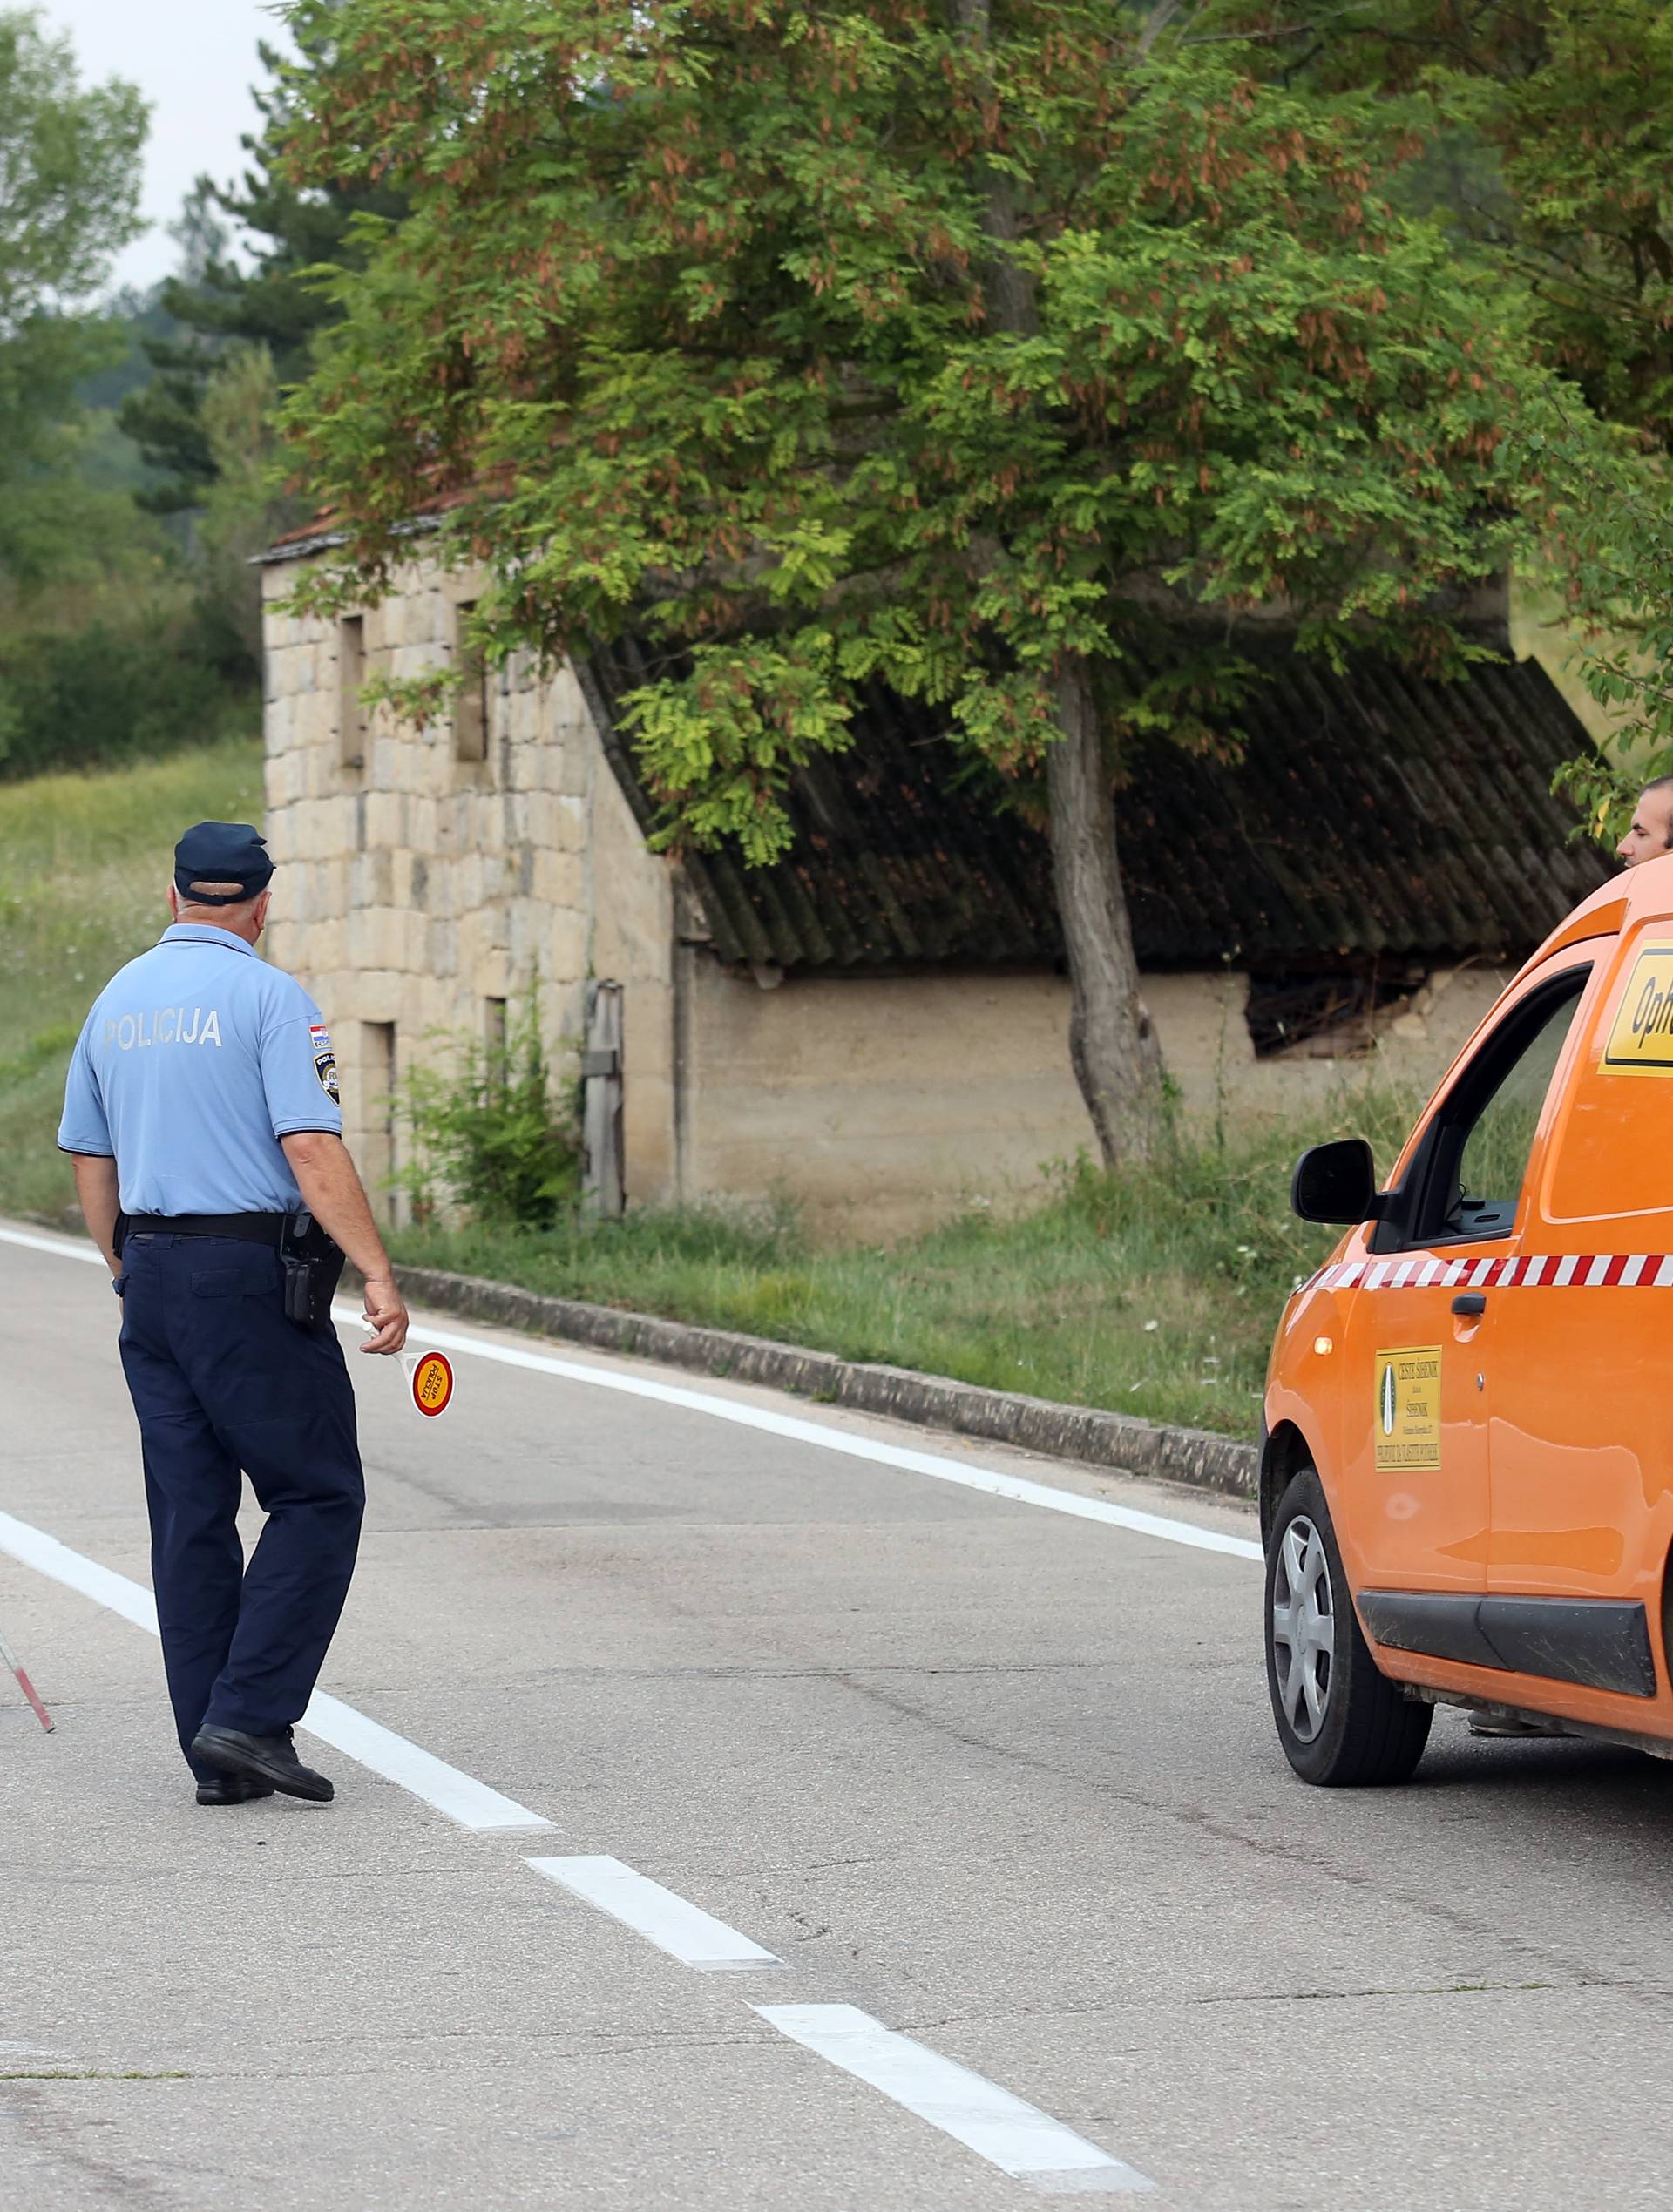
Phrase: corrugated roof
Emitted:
{"points": [[1376, 814]]}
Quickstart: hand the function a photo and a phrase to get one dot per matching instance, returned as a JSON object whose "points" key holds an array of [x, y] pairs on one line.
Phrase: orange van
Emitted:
{"points": [[1467, 1472]]}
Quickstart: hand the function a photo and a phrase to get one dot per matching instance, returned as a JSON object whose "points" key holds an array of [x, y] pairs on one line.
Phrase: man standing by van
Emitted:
{"points": [[1651, 833]]}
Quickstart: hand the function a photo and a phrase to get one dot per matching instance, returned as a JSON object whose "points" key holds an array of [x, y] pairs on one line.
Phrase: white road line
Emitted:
{"points": [[854, 1447], [1018, 2138], [34, 1547], [60, 1247], [459, 1795], [934, 1463], [662, 1917]]}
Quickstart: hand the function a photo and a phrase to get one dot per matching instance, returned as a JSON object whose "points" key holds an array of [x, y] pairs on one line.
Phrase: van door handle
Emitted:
{"points": [[1470, 1302]]}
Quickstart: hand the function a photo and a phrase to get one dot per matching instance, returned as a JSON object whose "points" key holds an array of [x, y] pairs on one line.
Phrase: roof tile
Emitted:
{"points": [[1373, 814]]}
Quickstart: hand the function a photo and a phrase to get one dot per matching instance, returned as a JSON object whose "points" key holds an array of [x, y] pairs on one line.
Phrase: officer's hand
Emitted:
{"points": [[386, 1310]]}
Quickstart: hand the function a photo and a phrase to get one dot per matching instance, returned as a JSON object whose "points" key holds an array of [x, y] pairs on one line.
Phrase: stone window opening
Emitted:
{"points": [[351, 674], [377, 1133], [493, 1027], [1337, 1014], [471, 700]]}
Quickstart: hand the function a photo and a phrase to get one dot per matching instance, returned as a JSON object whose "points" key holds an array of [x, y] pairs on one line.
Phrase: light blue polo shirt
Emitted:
{"points": [[196, 1059]]}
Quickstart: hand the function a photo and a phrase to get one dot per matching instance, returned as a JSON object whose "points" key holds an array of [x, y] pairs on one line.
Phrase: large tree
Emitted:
{"points": [[965, 346], [69, 189]]}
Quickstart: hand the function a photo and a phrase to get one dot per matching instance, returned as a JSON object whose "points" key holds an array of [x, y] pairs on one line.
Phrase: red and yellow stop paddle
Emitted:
{"points": [[432, 1384]]}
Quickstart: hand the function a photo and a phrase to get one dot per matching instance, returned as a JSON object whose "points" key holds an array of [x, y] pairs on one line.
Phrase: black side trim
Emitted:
{"points": [[1601, 1643]]}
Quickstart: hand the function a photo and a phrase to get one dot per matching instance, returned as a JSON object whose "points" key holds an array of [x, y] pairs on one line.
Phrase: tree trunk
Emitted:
{"points": [[1113, 1045]]}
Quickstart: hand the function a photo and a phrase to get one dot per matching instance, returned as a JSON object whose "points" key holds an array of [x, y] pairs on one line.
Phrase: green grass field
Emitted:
{"points": [[85, 863], [1153, 1292]]}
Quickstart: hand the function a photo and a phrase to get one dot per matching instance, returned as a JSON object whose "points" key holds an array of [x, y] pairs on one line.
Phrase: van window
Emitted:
{"points": [[1476, 1157]]}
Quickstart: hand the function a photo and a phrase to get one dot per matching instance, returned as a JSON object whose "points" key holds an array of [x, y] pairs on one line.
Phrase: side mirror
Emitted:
{"points": [[1337, 1183]]}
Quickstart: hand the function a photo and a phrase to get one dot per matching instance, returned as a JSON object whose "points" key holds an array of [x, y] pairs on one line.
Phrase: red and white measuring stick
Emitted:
{"points": [[26, 1685]]}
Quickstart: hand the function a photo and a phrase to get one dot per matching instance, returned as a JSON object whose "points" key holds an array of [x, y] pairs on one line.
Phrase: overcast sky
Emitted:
{"points": [[194, 61]]}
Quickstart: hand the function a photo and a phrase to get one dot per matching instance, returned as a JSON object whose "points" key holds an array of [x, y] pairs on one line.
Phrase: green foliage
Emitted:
{"points": [[142, 643], [1586, 142], [1612, 565], [1556, 160], [694, 318], [83, 871], [241, 512], [69, 158], [261, 300], [1560, 157], [133, 682], [491, 1132]]}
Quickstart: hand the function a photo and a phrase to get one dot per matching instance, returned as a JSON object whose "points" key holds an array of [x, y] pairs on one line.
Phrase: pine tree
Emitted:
{"points": [[216, 302]]}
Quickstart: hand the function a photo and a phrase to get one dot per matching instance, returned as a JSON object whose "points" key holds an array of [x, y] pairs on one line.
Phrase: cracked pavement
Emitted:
{"points": [[1004, 1779]]}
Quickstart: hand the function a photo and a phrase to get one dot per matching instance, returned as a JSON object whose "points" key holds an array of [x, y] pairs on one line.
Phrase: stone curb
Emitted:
{"points": [[1104, 1440]]}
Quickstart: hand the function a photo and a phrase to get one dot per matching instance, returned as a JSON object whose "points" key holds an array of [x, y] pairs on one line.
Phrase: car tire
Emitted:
{"points": [[1343, 1724]]}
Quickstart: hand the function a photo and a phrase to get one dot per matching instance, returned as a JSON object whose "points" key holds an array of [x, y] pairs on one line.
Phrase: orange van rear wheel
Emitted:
{"points": [[1343, 1724]]}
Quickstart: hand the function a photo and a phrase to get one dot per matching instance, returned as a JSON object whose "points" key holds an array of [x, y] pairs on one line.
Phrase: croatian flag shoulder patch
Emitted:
{"points": [[325, 1065]]}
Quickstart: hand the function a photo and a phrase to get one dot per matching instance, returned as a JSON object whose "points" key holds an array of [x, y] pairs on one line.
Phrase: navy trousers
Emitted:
{"points": [[222, 1382]]}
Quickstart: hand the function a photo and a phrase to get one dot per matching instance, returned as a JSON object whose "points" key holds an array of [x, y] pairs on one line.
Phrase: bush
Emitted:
{"points": [[117, 688], [495, 1135]]}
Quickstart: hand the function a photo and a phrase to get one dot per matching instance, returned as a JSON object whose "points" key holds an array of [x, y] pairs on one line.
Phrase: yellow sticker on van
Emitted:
{"points": [[1640, 1039], [1407, 1418]]}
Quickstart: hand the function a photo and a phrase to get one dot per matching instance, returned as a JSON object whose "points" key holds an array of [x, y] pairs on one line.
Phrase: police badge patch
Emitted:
{"points": [[325, 1065]]}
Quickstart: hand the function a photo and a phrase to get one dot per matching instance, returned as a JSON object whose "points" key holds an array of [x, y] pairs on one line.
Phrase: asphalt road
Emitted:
{"points": [[995, 1785]]}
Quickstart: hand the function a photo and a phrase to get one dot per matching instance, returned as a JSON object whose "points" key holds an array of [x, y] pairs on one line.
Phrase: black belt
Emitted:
{"points": [[248, 1228]]}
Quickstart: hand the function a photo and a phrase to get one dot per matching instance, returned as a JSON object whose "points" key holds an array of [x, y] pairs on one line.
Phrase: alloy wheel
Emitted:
{"points": [[1303, 1628]]}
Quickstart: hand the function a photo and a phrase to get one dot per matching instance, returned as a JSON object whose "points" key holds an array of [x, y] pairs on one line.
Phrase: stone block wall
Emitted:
{"points": [[418, 890], [884, 1103]]}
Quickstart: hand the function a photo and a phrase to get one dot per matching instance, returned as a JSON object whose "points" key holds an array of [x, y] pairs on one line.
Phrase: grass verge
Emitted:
{"points": [[84, 860], [1152, 1291]]}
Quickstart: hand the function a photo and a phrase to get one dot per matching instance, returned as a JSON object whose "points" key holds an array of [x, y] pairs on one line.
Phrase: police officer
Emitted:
{"points": [[202, 1116]]}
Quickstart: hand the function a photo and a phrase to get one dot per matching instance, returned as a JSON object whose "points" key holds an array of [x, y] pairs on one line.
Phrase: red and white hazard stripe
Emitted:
{"points": [[1525, 1271]]}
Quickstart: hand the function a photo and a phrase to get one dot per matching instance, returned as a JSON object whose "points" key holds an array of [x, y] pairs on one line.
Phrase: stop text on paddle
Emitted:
{"points": [[432, 1384]]}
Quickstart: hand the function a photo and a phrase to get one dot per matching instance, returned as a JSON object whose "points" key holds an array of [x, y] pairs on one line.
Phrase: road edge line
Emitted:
{"points": [[1156, 1450], [470, 1804], [964, 1475]]}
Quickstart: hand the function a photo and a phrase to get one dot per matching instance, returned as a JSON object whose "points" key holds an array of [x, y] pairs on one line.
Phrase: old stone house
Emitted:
{"points": [[877, 1024]]}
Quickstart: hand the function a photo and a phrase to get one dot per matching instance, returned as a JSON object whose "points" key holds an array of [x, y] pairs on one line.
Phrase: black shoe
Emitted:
{"points": [[267, 1759], [231, 1789]]}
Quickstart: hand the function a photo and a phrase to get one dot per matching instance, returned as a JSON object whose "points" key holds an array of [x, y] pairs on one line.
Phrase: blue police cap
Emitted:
{"points": [[222, 852]]}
